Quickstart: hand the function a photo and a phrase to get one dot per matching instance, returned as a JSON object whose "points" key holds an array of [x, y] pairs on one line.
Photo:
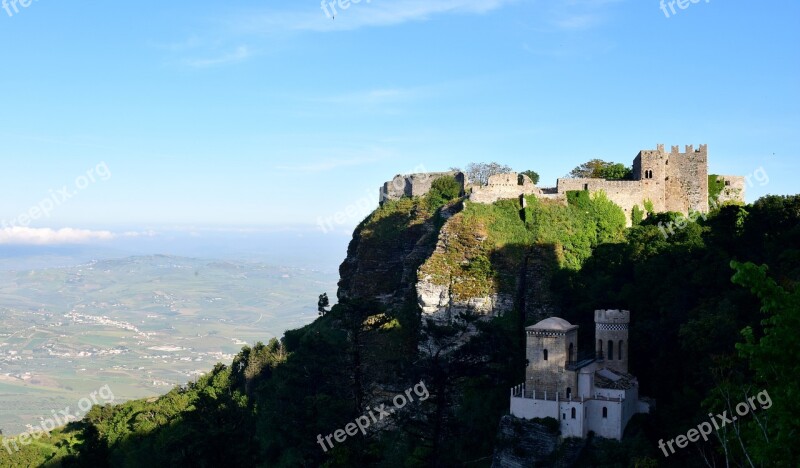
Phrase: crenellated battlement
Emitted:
{"points": [[614, 316], [676, 149]]}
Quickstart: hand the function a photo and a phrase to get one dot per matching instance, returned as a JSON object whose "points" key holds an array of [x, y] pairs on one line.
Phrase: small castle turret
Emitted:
{"points": [[611, 335]]}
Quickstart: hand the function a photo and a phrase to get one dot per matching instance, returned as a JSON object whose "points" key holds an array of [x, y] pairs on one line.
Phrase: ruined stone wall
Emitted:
{"points": [[624, 193], [733, 190], [502, 187], [414, 185]]}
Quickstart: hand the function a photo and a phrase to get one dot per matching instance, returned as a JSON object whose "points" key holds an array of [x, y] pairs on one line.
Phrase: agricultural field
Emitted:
{"points": [[140, 325]]}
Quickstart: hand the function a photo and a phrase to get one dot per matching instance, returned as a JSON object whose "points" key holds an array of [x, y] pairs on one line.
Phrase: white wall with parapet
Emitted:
{"points": [[528, 408]]}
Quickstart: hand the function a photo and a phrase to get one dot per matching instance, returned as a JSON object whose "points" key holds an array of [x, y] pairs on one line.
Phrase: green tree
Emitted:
{"points": [[637, 215], [599, 169], [773, 357], [443, 190], [533, 175], [479, 173], [323, 303], [616, 171]]}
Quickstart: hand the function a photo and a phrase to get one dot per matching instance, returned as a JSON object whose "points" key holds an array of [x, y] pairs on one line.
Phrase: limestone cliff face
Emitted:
{"points": [[386, 251], [522, 444], [447, 263], [452, 280]]}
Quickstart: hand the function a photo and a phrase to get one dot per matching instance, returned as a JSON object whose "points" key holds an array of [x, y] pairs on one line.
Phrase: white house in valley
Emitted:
{"points": [[593, 394]]}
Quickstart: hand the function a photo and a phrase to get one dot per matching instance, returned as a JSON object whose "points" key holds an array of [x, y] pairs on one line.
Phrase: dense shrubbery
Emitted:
{"points": [[443, 190]]}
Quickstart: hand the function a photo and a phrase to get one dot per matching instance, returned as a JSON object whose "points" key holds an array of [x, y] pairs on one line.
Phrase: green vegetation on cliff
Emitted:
{"points": [[486, 245]]}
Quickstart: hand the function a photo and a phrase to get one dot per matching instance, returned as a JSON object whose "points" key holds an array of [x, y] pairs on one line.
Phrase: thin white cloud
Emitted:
{"points": [[237, 55], [580, 14], [580, 21], [359, 15], [47, 236]]}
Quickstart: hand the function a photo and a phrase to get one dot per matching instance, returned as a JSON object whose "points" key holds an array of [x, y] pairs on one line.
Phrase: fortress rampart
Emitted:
{"points": [[671, 181], [414, 185]]}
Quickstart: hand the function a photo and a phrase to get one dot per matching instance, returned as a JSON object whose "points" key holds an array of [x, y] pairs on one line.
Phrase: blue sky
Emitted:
{"points": [[266, 114]]}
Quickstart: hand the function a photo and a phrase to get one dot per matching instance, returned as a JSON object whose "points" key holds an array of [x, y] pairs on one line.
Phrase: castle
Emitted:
{"points": [[670, 181], [589, 393]]}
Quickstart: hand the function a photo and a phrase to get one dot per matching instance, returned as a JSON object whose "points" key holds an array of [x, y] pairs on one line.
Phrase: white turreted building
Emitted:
{"points": [[595, 393]]}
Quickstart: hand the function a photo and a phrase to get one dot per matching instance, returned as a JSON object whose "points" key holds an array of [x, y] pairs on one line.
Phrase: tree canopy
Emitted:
{"points": [[534, 176], [479, 173], [599, 169]]}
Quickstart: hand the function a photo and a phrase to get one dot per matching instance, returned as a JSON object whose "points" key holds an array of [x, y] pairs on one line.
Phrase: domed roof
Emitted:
{"points": [[553, 323]]}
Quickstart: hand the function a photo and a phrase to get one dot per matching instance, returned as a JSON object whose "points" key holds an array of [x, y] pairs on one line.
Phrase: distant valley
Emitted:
{"points": [[140, 325]]}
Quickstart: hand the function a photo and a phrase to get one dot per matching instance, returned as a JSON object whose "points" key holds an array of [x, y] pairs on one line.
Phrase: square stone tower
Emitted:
{"points": [[650, 169], [687, 180], [674, 181], [551, 344]]}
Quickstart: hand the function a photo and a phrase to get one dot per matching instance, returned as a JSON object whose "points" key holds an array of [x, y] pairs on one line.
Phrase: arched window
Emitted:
{"points": [[600, 347], [571, 349], [619, 350], [605, 412], [545, 354], [569, 393], [610, 351], [573, 413]]}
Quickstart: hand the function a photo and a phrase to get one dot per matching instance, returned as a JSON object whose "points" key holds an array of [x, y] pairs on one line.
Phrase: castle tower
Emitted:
{"points": [[550, 345], [687, 180], [611, 336], [650, 169]]}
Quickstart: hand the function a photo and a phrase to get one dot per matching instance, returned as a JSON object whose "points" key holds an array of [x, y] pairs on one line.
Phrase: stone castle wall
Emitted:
{"points": [[504, 186], [624, 193], [671, 181], [733, 190], [414, 185]]}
